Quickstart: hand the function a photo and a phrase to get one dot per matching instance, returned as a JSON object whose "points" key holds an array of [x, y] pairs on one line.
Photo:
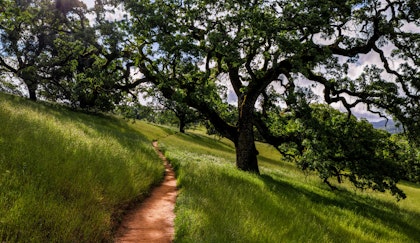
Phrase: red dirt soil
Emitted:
{"points": [[152, 220]]}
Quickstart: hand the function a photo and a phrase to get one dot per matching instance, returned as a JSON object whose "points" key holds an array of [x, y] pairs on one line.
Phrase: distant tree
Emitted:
{"points": [[134, 110], [183, 112], [164, 116], [408, 157], [266, 50]]}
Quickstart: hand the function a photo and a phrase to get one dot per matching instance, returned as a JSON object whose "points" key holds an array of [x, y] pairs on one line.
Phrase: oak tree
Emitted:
{"points": [[28, 33], [265, 50]]}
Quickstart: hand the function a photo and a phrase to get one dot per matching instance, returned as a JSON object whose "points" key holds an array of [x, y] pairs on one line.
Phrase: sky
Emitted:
{"points": [[89, 3], [117, 13]]}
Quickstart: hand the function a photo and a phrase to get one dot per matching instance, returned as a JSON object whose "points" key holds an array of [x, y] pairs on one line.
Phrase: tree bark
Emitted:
{"points": [[28, 75], [32, 92], [181, 125], [246, 152]]}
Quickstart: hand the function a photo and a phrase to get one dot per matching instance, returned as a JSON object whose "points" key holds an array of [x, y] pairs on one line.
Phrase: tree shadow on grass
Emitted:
{"points": [[226, 203], [277, 163], [207, 142], [381, 212]]}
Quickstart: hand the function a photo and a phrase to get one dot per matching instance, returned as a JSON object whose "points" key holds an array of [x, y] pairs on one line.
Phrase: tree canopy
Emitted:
{"points": [[341, 147], [64, 52]]}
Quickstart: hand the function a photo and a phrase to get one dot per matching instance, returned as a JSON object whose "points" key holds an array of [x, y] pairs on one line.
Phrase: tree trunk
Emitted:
{"points": [[28, 75], [32, 92], [181, 125], [246, 152]]}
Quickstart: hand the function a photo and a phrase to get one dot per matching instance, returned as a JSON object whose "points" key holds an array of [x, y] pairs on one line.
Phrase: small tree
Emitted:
{"points": [[183, 112]]}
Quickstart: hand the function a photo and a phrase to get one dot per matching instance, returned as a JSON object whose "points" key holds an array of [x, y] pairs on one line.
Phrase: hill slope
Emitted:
{"points": [[389, 126], [64, 176], [218, 203]]}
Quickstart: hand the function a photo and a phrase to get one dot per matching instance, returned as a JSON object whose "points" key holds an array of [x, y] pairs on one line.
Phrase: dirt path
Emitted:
{"points": [[153, 220]]}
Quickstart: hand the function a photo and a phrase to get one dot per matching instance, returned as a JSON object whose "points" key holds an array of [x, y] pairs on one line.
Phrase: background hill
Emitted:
{"points": [[389, 126]]}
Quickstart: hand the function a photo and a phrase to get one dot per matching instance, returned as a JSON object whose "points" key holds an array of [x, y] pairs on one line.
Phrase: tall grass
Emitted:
{"points": [[66, 176], [218, 203]]}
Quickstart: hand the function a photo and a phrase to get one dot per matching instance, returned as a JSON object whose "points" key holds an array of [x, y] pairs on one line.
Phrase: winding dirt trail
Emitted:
{"points": [[153, 220]]}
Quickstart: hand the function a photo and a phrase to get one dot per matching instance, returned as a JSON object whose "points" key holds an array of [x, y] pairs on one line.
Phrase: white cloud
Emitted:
{"points": [[89, 3], [411, 28]]}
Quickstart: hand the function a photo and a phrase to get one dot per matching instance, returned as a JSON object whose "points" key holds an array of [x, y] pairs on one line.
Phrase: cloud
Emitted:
{"points": [[411, 28], [232, 98], [89, 3]]}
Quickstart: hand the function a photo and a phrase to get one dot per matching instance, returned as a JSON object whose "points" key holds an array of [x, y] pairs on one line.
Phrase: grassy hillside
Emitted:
{"points": [[218, 203], [64, 176]]}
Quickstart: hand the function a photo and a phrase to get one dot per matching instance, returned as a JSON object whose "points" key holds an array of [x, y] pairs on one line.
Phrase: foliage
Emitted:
{"points": [[8, 87], [136, 111], [61, 55], [339, 146], [408, 157], [28, 31]]}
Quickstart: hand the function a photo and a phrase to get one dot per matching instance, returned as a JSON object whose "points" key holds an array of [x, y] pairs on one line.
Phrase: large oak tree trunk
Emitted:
{"points": [[246, 152]]}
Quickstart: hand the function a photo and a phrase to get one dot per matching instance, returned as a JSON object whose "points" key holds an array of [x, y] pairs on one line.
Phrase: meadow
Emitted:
{"points": [[68, 176], [218, 203]]}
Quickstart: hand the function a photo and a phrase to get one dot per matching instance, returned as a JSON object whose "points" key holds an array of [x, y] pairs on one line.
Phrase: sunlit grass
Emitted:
{"points": [[218, 203], [66, 176]]}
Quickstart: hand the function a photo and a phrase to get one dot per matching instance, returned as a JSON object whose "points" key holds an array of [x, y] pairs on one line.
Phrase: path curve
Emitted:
{"points": [[153, 219]]}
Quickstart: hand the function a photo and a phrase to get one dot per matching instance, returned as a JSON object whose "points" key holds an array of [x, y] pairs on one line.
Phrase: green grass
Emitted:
{"points": [[218, 203], [67, 176]]}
